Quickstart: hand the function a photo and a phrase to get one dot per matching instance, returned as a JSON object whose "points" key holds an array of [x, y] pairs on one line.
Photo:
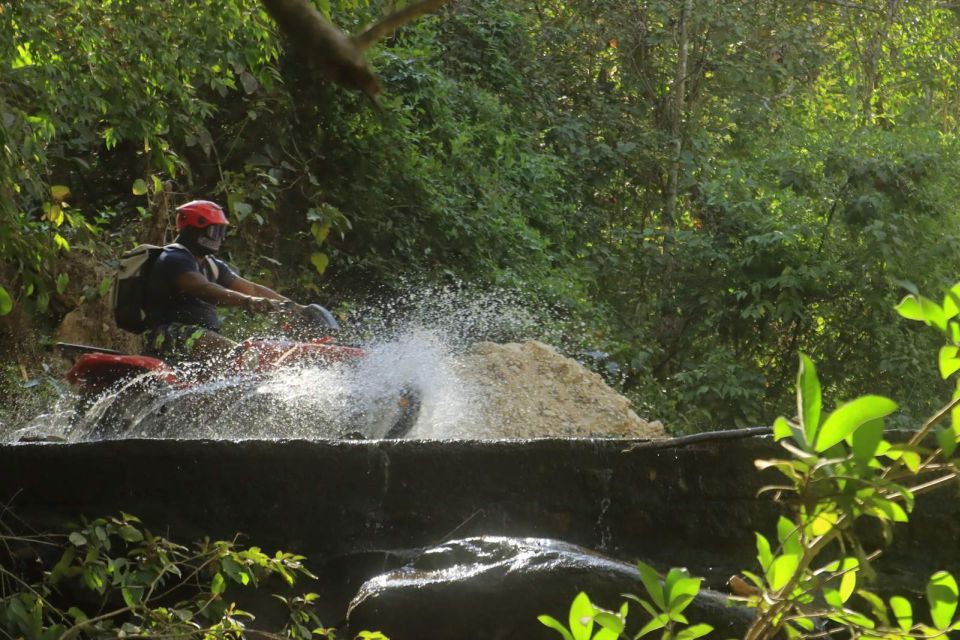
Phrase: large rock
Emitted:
{"points": [[495, 587], [529, 390]]}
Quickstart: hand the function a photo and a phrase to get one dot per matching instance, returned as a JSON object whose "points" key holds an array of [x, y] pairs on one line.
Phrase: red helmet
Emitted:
{"points": [[199, 214]]}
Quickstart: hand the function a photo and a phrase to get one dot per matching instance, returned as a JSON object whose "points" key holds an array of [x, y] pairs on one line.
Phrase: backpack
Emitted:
{"points": [[130, 284]]}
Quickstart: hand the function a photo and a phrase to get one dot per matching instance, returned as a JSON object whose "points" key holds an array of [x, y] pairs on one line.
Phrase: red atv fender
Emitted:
{"points": [[98, 369]]}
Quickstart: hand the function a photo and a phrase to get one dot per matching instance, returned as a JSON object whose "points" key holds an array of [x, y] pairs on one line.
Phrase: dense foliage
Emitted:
{"points": [[705, 188]]}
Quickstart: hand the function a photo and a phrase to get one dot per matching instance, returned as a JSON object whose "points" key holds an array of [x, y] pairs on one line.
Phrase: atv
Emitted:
{"points": [[131, 396]]}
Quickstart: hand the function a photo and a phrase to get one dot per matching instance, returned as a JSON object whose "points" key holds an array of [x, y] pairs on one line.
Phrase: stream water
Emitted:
{"points": [[412, 346]]}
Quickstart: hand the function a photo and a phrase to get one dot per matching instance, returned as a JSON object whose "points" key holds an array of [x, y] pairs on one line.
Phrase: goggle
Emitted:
{"points": [[216, 232]]}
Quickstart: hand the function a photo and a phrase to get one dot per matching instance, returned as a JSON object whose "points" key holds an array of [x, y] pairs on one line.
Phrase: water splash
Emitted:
{"points": [[412, 343]]}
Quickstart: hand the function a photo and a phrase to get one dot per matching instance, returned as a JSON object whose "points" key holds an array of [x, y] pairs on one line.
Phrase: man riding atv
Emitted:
{"points": [[187, 283]]}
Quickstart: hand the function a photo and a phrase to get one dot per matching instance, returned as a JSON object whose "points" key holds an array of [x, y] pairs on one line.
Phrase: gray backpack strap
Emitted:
{"points": [[214, 269]]}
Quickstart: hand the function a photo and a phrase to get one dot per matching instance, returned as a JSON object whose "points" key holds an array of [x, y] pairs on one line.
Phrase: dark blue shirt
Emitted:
{"points": [[164, 304]]}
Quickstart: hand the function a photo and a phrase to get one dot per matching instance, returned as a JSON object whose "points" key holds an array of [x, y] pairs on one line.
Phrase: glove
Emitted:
{"points": [[259, 305]]}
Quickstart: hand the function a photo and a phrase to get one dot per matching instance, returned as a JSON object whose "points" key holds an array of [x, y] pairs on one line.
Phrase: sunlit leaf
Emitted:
{"points": [[946, 440], [911, 309], [948, 361], [6, 302], [581, 617], [59, 192], [866, 440], [902, 612], [139, 187], [782, 570], [764, 554], [651, 583], [553, 623], [809, 400], [694, 631], [848, 417], [942, 596]]}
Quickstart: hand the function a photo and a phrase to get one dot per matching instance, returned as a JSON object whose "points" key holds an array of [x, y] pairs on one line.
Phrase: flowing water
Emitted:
{"points": [[410, 373]]}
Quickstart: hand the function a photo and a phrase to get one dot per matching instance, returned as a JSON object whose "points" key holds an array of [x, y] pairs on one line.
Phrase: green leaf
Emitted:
{"points": [[6, 302], [218, 585], [694, 631], [783, 428], [581, 617], [609, 621], [789, 536], [866, 440], [139, 187], [951, 302], [764, 554], [946, 440], [62, 281], [59, 192], [809, 399], [658, 622], [681, 592], [319, 261], [782, 570], [77, 539], [948, 361], [902, 611], [911, 309], [553, 623], [942, 596], [130, 534], [651, 583], [847, 418]]}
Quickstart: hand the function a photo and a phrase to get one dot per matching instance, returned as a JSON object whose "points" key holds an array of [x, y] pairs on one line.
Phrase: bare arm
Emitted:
{"points": [[195, 284], [253, 289]]}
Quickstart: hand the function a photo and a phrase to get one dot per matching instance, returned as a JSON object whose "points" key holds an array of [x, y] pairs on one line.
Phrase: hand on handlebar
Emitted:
{"points": [[255, 304]]}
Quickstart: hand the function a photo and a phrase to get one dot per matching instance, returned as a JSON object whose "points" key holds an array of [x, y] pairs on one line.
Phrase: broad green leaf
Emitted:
{"points": [[694, 631], [832, 597], [782, 570], [891, 510], [319, 262], [130, 534], [946, 440], [62, 281], [942, 596], [911, 309], [658, 622], [865, 441], [933, 313], [789, 536], [59, 192], [764, 554], [652, 584], [951, 302], [783, 428], [681, 593], [553, 623], [948, 361], [823, 522], [848, 417], [78, 539], [139, 187], [218, 584], [581, 617], [809, 400], [848, 581], [902, 611], [609, 621], [6, 302]]}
